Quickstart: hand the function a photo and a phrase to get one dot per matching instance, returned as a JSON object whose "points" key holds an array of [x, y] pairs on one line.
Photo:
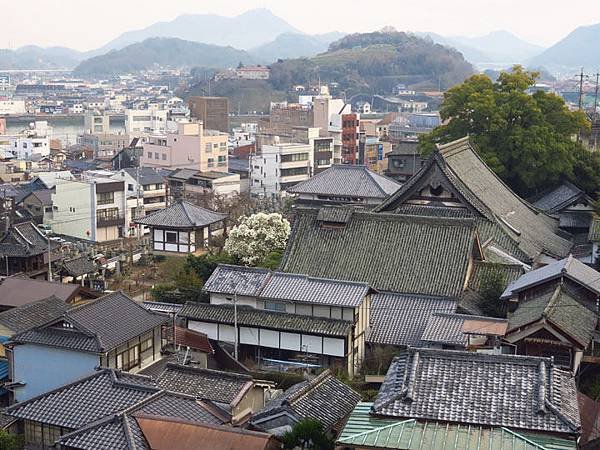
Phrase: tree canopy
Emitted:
{"points": [[529, 140]]}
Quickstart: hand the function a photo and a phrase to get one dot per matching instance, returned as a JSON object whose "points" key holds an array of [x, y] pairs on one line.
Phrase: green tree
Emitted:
{"points": [[10, 441], [491, 288], [307, 434], [527, 139], [204, 265]]}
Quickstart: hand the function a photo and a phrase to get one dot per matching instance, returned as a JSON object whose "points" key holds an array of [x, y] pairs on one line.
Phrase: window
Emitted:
{"points": [[164, 156], [222, 160], [147, 344], [275, 306], [211, 162], [129, 358], [399, 163], [106, 198], [130, 187], [294, 157], [208, 147], [171, 237], [107, 214], [156, 155], [149, 154], [294, 171]]}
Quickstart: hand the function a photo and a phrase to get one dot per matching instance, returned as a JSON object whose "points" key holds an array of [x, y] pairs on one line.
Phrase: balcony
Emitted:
{"points": [[110, 221]]}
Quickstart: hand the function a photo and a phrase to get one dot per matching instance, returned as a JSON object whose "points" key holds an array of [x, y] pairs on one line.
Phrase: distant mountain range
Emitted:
{"points": [[34, 57], [578, 49], [251, 29], [169, 52], [496, 47], [264, 38], [295, 45]]}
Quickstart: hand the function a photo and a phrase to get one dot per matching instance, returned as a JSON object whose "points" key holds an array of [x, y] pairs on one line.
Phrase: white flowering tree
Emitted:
{"points": [[257, 236]]}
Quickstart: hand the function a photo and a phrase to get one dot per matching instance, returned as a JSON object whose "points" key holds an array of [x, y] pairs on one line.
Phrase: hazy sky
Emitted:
{"points": [[85, 25]]}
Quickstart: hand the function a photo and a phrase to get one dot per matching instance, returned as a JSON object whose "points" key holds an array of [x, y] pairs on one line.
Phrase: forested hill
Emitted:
{"points": [[164, 52], [375, 63]]}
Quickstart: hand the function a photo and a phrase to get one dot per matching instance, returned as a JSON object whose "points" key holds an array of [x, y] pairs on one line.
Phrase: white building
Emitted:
{"points": [[29, 144], [278, 167], [91, 209], [139, 122], [10, 107]]}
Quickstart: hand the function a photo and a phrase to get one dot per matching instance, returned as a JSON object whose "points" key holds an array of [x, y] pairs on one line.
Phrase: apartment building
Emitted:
{"points": [[145, 191], [322, 156], [184, 184], [278, 167], [139, 122], [350, 130], [92, 208], [212, 111], [192, 147]]}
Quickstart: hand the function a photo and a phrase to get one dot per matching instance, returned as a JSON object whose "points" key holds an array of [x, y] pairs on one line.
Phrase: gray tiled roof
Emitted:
{"points": [[575, 220], [509, 219], [121, 431], [78, 266], [300, 288], [559, 307], [390, 252], [251, 317], [228, 279], [465, 387], [24, 239], [33, 314], [98, 326], [148, 175], [265, 284], [569, 267], [400, 319], [205, 384], [347, 181], [324, 398], [182, 215], [82, 402], [559, 198], [445, 329]]}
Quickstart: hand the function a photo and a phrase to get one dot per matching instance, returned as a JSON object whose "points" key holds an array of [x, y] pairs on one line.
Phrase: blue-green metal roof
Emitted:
{"points": [[365, 431]]}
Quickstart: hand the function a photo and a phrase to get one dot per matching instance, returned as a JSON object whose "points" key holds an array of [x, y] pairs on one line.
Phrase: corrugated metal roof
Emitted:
{"points": [[363, 430]]}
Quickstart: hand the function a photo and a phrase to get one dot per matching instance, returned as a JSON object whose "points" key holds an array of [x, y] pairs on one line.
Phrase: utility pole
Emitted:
{"points": [[596, 93], [49, 259], [235, 326], [581, 89]]}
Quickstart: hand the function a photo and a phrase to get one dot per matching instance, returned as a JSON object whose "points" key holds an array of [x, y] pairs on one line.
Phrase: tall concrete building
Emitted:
{"points": [[213, 111]]}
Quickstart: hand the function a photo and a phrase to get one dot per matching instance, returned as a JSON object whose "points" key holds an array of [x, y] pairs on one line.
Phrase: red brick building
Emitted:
{"points": [[350, 130]]}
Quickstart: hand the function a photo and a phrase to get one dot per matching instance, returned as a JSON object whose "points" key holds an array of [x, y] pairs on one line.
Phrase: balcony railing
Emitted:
{"points": [[110, 221]]}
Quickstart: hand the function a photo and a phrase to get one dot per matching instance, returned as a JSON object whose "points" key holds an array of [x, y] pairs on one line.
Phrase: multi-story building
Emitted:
{"points": [[93, 208], [146, 193], [139, 122], [11, 106], [373, 153], [350, 130], [29, 144], [212, 111], [104, 146], [404, 160], [185, 184], [192, 147], [278, 167], [322, 155], [95, 122]]}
